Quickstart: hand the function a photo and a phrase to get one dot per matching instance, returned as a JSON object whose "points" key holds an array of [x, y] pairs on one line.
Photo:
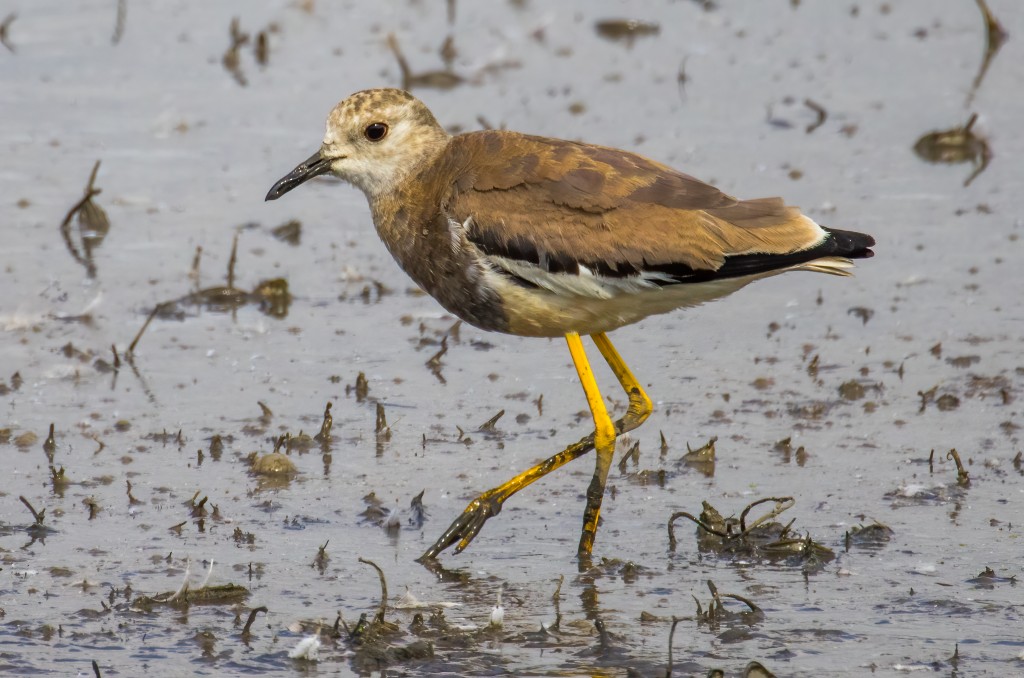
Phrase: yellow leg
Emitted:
{"points": [[465, 528], [604, 443]]}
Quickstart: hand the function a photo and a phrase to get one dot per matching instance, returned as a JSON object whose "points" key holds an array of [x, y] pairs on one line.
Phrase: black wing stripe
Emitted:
{"points": [[838, 243]]}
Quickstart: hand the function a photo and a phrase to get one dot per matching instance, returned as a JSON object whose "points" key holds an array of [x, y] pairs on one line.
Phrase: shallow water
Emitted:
{"points": [[188, 154]]}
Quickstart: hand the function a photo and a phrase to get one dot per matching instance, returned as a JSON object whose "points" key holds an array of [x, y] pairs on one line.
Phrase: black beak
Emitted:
{"points": [[313, 166]]}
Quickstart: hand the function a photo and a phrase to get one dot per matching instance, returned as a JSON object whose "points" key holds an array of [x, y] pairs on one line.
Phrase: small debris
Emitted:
{"points": [[324, 436], [308, 648], [956, 145], [626, 30], [232, 57], [261, 49], [489, 425], [819, 111], [962, 476], [382, 610], [865, 314], [497, 619], [274, 464], [289, 232], [5, 27], [995, 37], [252, 618], [442, 79], [361, 388], [38, 516]]}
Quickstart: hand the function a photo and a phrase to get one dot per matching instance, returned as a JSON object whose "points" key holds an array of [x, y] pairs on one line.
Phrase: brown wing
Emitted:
{"points": [[560, 204]]}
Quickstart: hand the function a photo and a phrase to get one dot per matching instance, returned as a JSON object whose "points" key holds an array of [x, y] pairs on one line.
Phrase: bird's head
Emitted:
{"points": [[374, 138]]}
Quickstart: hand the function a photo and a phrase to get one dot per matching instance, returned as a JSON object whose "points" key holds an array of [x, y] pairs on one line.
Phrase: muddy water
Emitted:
{"points": [[921, 351]]}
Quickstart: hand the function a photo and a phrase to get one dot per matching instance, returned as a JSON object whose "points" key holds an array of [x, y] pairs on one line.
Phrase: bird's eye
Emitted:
{"points": [[376, 131]]}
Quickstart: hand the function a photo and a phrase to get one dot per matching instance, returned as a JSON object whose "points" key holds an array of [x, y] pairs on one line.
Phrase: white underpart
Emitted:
{"points": [[585, 284], [588, 306]]}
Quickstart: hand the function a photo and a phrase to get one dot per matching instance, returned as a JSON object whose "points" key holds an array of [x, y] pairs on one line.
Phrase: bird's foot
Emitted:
{"points": [[469, 523]]}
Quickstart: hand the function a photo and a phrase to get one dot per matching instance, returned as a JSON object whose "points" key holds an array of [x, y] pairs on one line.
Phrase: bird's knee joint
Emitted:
{"points": [[640, 405]]}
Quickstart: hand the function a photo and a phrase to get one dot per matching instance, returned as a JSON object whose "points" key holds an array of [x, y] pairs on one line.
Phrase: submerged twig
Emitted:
{"points": [[37, 515], [671, 633], [490, 423], [252, 618], [324, 436], [159, 308], [266, 414], [383, 590], [962, 476], [321, 558], [684, 514], [746, 601], [380, 426], [781, 504]]}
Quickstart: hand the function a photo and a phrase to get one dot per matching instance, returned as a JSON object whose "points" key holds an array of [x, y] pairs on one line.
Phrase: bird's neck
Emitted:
{"points": [[413, 222], [407, 203], [405, 213]]}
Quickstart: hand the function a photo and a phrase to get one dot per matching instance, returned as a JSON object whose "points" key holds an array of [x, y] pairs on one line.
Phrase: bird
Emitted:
{"points": [[542, 237]]}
